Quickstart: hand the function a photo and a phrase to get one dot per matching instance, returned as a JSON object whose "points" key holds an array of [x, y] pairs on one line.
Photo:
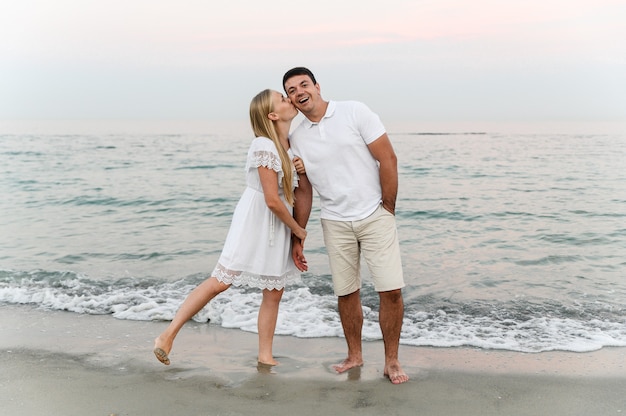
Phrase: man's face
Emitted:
{"points": [[303, 93]]}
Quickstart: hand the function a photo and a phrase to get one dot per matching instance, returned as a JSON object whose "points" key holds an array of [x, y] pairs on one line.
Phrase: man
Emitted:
{"points": [[351, 164]]}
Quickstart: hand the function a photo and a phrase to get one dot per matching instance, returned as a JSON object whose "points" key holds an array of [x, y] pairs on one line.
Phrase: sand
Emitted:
{"points": [[62, 363]]}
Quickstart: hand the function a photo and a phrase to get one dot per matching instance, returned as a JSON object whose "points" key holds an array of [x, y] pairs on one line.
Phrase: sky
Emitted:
{"points": [[409, 60]]}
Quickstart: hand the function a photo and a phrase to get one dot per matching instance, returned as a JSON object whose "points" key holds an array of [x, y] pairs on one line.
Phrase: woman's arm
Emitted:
{"points": [[269, 182]]}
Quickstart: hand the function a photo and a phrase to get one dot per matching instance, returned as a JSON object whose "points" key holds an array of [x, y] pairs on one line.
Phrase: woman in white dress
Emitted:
{"points": [[257, 250]]}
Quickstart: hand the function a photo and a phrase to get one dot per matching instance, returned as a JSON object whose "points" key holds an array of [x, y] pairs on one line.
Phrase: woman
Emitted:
{"points": [[257, 251]]}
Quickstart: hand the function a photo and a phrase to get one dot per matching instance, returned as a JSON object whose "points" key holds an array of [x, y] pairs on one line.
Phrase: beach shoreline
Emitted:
{"points": [[59, 362]]}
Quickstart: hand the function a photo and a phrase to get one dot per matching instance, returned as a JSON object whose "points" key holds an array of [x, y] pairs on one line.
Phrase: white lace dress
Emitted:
{"points": [[257, 251]]}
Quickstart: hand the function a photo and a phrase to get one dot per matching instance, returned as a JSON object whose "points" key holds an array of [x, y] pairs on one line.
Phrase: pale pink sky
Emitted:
{"points": [[411, 60]]}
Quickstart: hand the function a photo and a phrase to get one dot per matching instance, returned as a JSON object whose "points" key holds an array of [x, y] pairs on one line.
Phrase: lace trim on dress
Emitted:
{"points": [[266, 159], [272, 161], [240, 278]]}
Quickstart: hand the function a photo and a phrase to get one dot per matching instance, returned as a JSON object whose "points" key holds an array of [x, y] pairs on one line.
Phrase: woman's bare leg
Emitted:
{"points": [[268, 314], [197, 299]]}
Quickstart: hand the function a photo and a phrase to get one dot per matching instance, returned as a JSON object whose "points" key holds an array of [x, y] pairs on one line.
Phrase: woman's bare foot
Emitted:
{"points": [[395, 373], [161, 350], [270, 362], [347, 364]]}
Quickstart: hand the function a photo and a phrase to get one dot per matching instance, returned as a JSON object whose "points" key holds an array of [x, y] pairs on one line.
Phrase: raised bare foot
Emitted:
{"points": [[161, 350], [395, 373], [347, 364]]}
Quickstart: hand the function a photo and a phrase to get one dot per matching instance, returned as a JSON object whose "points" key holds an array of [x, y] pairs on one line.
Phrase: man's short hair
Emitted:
{"points": [[299, 70]]}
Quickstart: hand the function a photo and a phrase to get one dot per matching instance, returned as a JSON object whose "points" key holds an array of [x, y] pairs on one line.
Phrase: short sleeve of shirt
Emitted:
{"points": [[368, 122]]}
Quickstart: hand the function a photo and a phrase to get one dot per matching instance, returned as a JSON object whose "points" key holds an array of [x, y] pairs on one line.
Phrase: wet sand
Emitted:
{"points": [[61, 363]]}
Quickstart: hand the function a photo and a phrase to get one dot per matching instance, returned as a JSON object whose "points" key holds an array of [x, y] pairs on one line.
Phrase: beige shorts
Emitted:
{"points": [[377, 238]]}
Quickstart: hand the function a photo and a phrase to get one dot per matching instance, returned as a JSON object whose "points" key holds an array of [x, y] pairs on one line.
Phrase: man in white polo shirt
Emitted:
{"points": [[351, 164]]}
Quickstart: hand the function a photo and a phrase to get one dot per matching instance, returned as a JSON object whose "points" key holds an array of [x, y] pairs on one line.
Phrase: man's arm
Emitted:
{"points": [[383, 152], [301, 212]]}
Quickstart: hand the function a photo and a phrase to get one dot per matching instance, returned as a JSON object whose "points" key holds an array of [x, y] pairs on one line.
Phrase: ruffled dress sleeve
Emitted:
{"points": [[263, 153]]}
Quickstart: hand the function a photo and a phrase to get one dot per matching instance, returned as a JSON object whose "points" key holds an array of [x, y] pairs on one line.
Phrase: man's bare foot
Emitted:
{"points": [[161, 350], [347, 364], [395, 374]]}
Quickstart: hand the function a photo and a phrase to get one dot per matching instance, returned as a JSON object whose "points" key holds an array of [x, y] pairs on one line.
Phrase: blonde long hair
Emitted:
{"points": [[260, 106]]}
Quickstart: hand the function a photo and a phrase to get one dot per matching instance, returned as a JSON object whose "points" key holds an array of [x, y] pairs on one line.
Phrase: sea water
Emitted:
{"points": [[512, 241]]}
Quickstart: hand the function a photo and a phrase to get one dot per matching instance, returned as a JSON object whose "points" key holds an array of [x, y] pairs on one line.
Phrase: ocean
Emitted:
{"points": [[512, 241]]}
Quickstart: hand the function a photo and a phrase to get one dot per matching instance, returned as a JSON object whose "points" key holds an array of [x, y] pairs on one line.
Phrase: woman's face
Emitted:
{"points": [[283, 107]]}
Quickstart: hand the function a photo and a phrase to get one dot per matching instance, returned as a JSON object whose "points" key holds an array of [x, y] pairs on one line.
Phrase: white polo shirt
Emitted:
{"points": [[338, 162]]}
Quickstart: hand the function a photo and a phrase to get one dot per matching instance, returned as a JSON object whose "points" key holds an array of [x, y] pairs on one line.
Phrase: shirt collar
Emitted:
{"points": [[330, 111]]}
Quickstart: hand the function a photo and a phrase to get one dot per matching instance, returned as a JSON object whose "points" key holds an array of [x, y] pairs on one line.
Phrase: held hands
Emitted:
{"points": [[298, 255], [301, 234], [297, 249], [299, 165]]}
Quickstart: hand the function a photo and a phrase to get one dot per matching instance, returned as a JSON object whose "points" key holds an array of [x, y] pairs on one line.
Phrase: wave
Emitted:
{"points": [[310, 312]]}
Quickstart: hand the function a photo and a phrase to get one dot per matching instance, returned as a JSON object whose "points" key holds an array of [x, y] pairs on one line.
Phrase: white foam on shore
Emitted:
{"points": [[304, 314]]}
